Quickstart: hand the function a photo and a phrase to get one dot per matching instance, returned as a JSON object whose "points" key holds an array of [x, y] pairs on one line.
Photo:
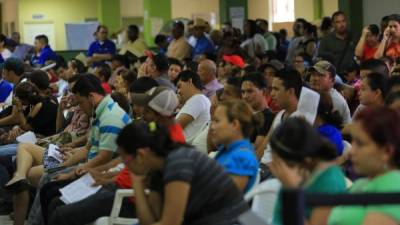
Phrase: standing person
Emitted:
{"points": [[179, 48], [298, 30], [189, 196], [255, 43], [368, 43], [21, 50], [133, 44], [390, 44], [339, 44], [269, 36], [195, 112], [102, 49], [202, 44]]}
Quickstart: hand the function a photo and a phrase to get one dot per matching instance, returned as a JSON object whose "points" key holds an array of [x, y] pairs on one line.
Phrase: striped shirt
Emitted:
{"points": [[108, 122], [213, 199]]}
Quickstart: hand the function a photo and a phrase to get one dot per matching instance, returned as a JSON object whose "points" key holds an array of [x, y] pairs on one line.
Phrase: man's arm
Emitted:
{"points": [[184, 119]]}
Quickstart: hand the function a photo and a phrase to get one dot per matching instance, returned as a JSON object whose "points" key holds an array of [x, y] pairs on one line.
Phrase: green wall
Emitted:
{"points": [[109, 14], [354, 12], [224, 6], [154, 11]]}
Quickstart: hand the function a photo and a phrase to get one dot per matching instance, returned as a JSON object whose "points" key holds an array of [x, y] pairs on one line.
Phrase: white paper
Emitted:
{"points": [[79, 189], [28, 137], [308, 105], [54, 152]]}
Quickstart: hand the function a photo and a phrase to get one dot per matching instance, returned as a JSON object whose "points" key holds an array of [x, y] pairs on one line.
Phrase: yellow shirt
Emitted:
{"points": [[137, 47], [179, 49]]}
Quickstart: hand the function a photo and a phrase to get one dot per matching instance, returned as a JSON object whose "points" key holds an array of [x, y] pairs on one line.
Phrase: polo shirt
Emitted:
{"points": [[97, 47], [46, 54], [212, 87], [5, 90], [108, 122], [239, 159], [203, 46]]}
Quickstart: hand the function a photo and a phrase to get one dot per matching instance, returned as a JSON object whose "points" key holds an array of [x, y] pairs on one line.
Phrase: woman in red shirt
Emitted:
{"points": [[368, 43], [390, 44]]}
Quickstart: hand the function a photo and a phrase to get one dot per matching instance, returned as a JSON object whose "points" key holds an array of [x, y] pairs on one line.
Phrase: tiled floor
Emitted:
{"points": [[5, 220]]}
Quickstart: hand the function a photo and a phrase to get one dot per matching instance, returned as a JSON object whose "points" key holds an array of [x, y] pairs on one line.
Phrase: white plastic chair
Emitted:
{"points": [[264, 196], [114, 218]]}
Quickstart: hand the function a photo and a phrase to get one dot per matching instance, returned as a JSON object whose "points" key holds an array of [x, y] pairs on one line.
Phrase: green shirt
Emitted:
{"points": [[354, 215], [330, 180]]}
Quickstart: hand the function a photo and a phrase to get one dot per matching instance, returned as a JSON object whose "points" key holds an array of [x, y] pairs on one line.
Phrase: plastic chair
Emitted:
{"points": [[264, 196], [114, 218]]}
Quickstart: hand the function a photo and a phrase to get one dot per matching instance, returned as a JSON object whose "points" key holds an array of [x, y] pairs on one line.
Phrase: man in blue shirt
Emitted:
{"points": [[46, 53], [102, 49], [203, 44]]}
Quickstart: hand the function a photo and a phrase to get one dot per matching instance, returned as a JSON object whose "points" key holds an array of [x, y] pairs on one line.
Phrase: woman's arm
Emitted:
{"points": [[319, 216], [378, 218], [175, 201], [359, 51], [383, 45], [143, 210]]}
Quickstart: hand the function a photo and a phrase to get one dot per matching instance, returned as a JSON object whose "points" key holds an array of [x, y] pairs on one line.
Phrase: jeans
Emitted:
{"points": [[10, 149]]}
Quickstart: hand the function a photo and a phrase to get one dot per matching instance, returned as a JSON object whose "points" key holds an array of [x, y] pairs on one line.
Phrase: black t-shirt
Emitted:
{"points": [[44, 122], [263, 122], [213, 199]]}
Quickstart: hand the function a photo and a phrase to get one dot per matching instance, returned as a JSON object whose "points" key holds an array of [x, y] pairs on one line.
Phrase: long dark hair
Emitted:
{"points": [[326, 112], [140, 134], [295, 140]]}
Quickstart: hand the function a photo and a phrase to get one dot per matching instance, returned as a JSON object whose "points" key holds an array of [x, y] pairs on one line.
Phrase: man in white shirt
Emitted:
{"points": [[322, 80], [286, 90], [195, 112]]}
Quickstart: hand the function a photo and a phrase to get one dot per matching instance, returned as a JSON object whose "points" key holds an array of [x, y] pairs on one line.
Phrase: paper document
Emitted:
{"points": [[308, 105], [79, 189], [54, 152], [28, 137]]}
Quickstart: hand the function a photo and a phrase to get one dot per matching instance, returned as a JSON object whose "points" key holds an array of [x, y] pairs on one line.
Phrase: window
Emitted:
{"points": [[282, 10]]}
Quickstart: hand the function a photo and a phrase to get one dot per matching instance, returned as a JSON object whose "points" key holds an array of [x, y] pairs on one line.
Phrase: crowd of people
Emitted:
{"points": [[201, 121]]}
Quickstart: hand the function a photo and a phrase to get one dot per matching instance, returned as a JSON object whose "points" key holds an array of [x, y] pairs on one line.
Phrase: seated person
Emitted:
{"points": [[118, 67], [33, 159], [297, 150], [195, 112], [103, 72], [328, 122], [34, 112], [185, 197], [154, 110], [175, 68], [374, 155], [230, 129], [108, 121], [46, 53]]}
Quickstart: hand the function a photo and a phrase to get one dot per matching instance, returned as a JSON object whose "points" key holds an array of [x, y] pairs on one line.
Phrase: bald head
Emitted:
{"points": [[207, 71]]}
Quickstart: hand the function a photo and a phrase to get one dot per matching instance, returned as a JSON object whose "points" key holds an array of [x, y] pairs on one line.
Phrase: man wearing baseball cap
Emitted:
{"points": [[322, 80]]}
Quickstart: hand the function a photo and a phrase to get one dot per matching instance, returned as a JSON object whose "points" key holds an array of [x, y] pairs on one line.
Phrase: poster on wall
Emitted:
{"points": [[237, 16], [31, 30]]}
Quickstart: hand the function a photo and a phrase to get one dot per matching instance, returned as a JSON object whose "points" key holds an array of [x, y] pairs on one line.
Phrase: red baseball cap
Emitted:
{"points": [[235, 60]]}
